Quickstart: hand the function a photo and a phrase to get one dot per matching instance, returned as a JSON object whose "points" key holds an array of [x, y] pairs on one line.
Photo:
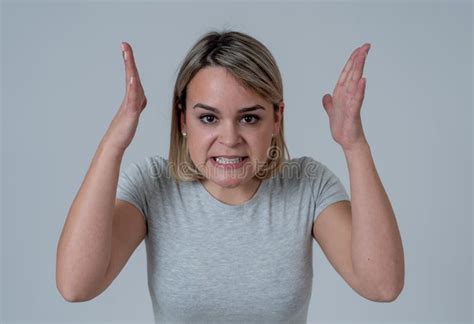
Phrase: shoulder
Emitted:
{"points": [[148, 168], [152, 163], [308, 172], [156, 165], [301, 168]]}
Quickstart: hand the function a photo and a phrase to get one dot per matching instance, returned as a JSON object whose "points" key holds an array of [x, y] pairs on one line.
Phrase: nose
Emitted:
{"points": [[229, 135]]}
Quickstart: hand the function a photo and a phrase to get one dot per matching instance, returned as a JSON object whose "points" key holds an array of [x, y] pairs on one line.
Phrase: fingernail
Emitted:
{"points": [[131, 80], [124, 53]]}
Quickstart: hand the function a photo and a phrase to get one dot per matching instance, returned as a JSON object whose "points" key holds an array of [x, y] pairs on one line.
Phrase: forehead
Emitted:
{"points": [[217, 86]]}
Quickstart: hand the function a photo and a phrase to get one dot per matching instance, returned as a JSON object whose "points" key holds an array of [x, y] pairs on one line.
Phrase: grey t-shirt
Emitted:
{"points": [[217, 263]]}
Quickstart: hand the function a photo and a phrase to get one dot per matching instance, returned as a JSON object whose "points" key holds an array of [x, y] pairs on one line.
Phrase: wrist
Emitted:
{"points": [[110, 149]]}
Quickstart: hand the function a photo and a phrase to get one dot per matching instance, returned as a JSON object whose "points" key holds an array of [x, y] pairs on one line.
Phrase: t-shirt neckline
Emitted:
{"points": [[219, 204]]}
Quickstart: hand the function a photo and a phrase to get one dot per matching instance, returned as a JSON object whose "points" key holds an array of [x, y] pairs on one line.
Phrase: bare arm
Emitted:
{"points": [[368, 229], [84, 249], [377, 249], [85, 245]]}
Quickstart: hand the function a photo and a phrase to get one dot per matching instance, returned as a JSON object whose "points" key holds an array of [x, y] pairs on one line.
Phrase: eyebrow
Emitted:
{"points": [[242, 110]]}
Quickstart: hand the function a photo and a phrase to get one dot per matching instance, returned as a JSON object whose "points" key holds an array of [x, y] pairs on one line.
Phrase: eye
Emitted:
{"points": [[251, 119], [207, 119]]}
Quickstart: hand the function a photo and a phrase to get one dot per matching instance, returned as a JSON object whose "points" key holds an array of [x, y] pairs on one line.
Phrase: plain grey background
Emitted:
{"points": [[63, 81]]}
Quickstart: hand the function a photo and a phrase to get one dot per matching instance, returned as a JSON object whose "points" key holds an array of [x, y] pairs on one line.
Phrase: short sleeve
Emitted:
{"points": [[131, 186], [326, 187]]}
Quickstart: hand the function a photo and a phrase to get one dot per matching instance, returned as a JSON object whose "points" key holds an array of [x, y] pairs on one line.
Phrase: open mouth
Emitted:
{"points": [[223, 160], [229, 162]]}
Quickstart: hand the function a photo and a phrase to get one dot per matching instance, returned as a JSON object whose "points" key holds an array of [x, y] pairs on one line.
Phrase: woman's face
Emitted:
{"points": [[225, 120]]}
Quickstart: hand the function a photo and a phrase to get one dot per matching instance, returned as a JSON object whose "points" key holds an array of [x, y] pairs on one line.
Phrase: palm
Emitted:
{"points": [[343, 107]]}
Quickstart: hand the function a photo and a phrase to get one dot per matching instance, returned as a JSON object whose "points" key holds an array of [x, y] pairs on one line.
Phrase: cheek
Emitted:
{"points": [[199, 144], [260, 146]]}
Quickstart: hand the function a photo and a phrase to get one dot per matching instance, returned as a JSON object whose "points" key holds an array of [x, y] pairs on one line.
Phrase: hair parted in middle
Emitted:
{"points": [[252, 64]]}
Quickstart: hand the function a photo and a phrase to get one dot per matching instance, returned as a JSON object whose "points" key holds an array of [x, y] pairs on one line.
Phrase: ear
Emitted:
{"points": [[278, 118]]}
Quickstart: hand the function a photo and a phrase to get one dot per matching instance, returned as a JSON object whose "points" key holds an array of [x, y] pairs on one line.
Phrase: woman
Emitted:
{"points": [[229, 218]]}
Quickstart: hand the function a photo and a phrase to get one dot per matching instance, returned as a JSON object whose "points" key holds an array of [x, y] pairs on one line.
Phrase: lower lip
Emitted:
{"points": [[229, 165]]}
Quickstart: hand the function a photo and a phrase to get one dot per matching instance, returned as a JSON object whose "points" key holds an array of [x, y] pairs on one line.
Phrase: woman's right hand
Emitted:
{"points": [[124, 125]]}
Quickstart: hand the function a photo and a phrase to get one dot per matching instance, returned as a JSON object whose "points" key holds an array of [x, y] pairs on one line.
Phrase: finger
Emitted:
{"points": [[359, 96], [357, 69], [128, 95], [135, 101], [130, 65], [346, 69], [134, 96], [144, 103], [327, 103]]}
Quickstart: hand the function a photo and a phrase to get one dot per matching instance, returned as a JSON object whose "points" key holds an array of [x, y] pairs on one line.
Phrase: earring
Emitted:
{"points": [[184, 134]]}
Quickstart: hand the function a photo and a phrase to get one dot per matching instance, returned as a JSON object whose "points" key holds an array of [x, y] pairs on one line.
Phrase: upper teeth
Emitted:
{"points": [[226, 161]]}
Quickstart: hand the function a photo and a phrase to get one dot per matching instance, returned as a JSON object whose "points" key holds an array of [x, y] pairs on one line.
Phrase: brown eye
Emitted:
{"points": [[207, 119], [251, 119]]}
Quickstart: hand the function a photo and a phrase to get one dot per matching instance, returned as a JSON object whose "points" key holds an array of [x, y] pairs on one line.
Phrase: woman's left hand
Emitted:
{"points": [[343, 107]]}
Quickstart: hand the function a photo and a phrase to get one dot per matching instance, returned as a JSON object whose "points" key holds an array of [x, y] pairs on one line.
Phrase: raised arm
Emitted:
{"points": [[360, 238], [84, 250]]}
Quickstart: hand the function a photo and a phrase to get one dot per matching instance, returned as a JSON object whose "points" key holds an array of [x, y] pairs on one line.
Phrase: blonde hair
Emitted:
{"points": [[252, 64]]}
